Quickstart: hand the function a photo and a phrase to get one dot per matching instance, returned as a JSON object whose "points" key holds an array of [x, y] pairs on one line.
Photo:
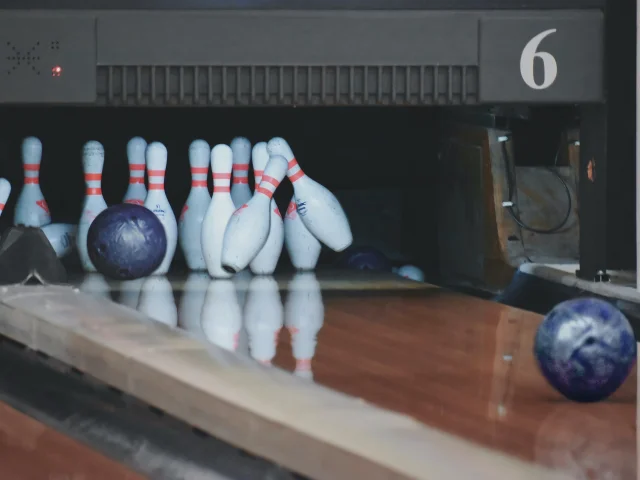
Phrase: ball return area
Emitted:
{"points": [[422, 391]]}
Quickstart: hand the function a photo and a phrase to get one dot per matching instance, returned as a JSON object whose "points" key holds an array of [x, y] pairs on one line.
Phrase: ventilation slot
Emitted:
{"points": [[256, 86]]}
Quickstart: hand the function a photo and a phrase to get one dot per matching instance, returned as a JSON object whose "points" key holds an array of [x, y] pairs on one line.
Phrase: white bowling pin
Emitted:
{"points": [[249, 226], [304, 317], [411, 272], [92, 164], [96, 284], [136, 191], [221, 314], [62, 237], [319, 209], [157, 300], [240, 191], [267, 259], [219, 211], [130, 292], [158, 203], [31, 207], [195, 208], [303, 248], [263, 318], [191, 302], [5, 191]]}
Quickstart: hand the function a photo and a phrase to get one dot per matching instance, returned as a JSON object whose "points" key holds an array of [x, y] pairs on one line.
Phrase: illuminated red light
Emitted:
{"points": [[56, 71]]}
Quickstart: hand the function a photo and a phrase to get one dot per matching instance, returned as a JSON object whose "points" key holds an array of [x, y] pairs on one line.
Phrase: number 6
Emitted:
{"points": [[527, 59]]}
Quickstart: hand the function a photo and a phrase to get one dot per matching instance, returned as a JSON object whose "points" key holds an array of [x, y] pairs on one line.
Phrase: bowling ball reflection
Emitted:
{"points": [[589, 441], [126, 242]]}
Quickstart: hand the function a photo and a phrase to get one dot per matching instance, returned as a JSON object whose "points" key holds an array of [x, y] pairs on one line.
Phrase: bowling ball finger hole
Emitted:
{"points": [[589, 341], [123, 272]]}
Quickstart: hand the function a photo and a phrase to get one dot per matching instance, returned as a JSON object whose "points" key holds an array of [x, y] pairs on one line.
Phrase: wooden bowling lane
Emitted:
{"points": [[29, 450], [466, 366]]}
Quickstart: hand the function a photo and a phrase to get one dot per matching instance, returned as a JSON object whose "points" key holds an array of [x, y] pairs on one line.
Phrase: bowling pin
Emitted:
{"points": [[136, 192], [194, 210], [157, 300], [240, 191], [191, 302], [249, 226], [267, 259], [92, 164], [95, 284], [303, 248], [62, 237], [221, 314], [31, 207], [411, 272], [219, 211], [5, 191], [318, 208], [263, 318], [130, 292], [158, 203], [304, 317]]}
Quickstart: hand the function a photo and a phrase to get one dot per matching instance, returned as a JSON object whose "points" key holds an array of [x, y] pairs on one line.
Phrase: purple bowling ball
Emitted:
{"points": [[585, 348], [126, 242], [365, 258]]}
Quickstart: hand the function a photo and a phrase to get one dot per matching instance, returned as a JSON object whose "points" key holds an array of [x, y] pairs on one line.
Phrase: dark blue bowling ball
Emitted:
{"points": [[365, 258], [126, 242], [585, 349]]}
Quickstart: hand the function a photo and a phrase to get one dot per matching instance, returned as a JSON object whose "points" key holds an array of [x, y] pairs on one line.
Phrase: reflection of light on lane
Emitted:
{"points": [[95, 284], [263, 318], [638, 398], [221, 314], [304, 317], [241, 281], [130, 292], [157, 301]]}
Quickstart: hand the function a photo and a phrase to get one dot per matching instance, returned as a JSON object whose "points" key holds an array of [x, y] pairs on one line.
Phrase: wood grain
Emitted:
{"points": [[308, 428], [30, 450]]}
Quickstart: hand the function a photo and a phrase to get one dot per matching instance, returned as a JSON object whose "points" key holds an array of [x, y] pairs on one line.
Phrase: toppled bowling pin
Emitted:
{"points": [[157, 300], [267, 259], [304, 317], [195, 208], [248, 227], [136, 191], [221, 314], [318, 208], [95, 284], [411, 272], [303, 248], [62, 237], [191, 303], [158, 203], [31, 207], [92, 164], [240, 191], [219, 211], [5, 191], [263, 316]]}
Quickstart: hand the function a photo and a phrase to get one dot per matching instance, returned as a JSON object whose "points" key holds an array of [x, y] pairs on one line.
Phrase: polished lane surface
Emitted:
{"points": [[454, 362]]}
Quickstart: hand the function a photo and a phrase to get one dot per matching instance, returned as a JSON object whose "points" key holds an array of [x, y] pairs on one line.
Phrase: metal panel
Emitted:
{"points": [[301, 4], [287, 38], [47, 58], [552, 57], [264, 85]]}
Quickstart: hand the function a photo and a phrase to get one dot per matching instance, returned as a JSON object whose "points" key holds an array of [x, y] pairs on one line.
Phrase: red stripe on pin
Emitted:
{"points": [[32, 167], [220, 189], [199, 170], [156, 186], [92, 177], [264, 191], [271, 180], [94, 191], [137, 167], [31, 181], [199, 183], [134, 180], [156, 173], [221, 176], [292, 163], [296, 176], [240, 180]]}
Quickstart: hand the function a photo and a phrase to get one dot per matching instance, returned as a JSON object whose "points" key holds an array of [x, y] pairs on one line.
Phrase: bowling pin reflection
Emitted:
{"points": [[304, 317], [130, 292], [241, 280], [157, 301], [96, 284], [221, 314], [192, 301], [263, 317]]}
